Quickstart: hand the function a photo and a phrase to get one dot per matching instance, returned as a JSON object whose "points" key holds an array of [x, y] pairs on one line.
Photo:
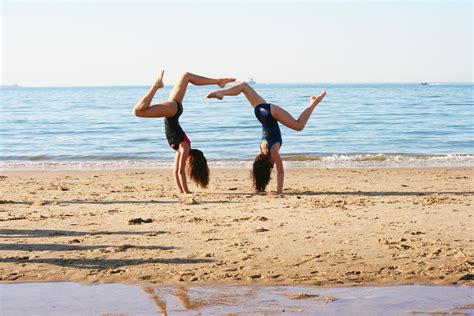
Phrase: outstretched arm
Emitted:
{"points": [[279, 168], [242, 87], [177, 159], [184, 154]]}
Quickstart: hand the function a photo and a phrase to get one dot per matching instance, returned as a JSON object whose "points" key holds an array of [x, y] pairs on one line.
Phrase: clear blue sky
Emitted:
{"points": [[127, 43]]}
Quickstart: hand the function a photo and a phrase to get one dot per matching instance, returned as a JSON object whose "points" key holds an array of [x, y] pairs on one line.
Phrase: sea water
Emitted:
{"points": [[356, 125], [117, 299]]}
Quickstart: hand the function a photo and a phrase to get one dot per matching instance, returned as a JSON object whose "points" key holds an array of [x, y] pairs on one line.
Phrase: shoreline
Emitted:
{"points": [[339, 161], [332, 227], [245, 283], [227, 168]]}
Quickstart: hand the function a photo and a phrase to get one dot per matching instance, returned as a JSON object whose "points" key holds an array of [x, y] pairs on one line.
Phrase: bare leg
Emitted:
{"points": [[251, 95], [286, 119], [179, 90], [145, 102], [165, 109]]}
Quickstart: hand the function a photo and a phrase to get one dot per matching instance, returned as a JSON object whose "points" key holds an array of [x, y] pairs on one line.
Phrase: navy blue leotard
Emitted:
{"points": [[270, 128], [174, 132]]}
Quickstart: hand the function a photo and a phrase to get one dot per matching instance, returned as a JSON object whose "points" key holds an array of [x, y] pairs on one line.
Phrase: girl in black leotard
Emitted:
{"points": [[269, 115], [186, 158]]}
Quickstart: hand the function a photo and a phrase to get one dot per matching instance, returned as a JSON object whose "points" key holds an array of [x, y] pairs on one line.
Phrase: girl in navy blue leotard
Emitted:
{"points": [[186, 159], [269, 115], [270, 128]]}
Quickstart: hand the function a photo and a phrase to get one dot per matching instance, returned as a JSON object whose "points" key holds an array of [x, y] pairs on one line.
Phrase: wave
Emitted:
{"points": [[290, 161], [382, 161], [38, 158]]}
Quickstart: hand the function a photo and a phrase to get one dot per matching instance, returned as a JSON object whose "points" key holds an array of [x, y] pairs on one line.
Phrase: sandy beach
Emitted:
{"points": [[340, 226]]}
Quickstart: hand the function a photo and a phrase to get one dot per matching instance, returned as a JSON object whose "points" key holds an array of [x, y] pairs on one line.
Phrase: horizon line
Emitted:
{"points": [[258, 83]]}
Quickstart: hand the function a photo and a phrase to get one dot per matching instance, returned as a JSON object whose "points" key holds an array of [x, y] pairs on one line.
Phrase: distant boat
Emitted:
{"points": [[251, 81], [424, 83]]}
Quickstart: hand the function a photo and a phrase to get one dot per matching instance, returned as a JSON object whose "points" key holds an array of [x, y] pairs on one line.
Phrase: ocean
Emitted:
{"points": [[356, 125]]}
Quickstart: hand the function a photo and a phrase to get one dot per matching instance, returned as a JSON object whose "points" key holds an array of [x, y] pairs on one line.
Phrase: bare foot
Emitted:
{"points": [[159, 82], [224, 81], [316, 99], [275, 194], [215, 95]]}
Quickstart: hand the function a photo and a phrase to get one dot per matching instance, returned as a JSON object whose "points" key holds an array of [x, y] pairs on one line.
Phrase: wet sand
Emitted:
{"points": [[344, 227], [116, 299]]}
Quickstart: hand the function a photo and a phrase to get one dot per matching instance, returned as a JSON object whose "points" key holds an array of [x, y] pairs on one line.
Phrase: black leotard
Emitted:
{"points": [[270, 128], [174, 132]]}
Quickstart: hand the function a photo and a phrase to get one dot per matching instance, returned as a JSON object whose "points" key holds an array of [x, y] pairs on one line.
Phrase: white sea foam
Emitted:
{"points": [[385, 161], [333, 161]]}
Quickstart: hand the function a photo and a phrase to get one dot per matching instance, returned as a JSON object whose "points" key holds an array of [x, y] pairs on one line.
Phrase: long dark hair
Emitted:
{"points": [[261, 172], [198, 170]]}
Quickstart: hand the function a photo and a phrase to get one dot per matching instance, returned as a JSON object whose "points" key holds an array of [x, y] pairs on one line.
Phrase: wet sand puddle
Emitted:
{"points": [[117, 299]]}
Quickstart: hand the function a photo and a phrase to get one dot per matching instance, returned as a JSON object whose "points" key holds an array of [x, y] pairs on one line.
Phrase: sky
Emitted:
{"points": [[103, 42]]}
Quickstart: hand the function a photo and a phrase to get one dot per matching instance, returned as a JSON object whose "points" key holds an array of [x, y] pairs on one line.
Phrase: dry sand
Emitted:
{"points": [[386, 226]]}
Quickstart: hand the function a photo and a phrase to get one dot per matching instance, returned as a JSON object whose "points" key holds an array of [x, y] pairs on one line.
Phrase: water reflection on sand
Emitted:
{"points": [[106, 299]]}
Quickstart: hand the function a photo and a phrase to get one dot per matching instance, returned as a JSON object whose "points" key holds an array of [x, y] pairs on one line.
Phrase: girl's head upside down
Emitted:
{"points": [[261, 172], [197, 168]]}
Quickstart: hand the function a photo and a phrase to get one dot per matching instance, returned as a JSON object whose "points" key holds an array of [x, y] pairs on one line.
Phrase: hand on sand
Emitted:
{"points": [[316, 99], [224, 81], [159, 82], [216, 95], [275, 194]]}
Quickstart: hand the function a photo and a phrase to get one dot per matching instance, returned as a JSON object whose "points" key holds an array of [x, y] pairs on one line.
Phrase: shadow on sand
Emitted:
{"points": [[378, 193], [108, 202], [102, 263], [355, 193], [60, 247], [38, 233], [83, 263]]}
